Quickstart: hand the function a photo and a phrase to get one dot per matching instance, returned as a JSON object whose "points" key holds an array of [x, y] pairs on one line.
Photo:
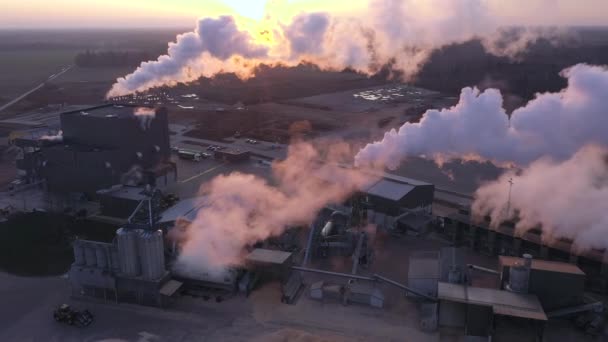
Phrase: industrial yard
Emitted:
{"points": [[390, 172]]}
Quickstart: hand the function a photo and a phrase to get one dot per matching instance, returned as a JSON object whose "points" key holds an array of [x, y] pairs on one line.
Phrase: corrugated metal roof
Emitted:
{"points": [[544, 265], [402, 179], [502, 302], [390, 190], [268, 256], [186, 209]]}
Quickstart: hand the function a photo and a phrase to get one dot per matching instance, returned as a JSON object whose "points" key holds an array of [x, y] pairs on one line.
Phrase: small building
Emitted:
{"points": [[544, 275], [232, 155], [477, 310], [391, 194], [273, 263]]}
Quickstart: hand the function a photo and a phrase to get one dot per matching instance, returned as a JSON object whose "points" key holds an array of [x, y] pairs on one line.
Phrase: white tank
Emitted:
{"points": [[519, 275], [151, 254], [89, 256], [127, 252], [78, 253], [100, 255]]}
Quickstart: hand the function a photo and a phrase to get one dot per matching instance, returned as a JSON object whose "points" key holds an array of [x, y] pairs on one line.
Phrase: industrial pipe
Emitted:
{"points": [[375, 277], [401, 286], [330, 273], [483, 269]]}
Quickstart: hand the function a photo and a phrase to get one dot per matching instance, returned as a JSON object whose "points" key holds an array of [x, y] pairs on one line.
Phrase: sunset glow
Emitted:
{"points": [[181, 13]]}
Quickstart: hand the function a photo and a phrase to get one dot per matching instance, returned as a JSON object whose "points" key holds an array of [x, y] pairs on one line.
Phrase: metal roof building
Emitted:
{"points": [[392, 193], [543, 277], [503, 303], [476, 309]]}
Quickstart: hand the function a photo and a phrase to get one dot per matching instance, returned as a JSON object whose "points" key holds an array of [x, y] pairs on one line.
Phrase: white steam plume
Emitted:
{"points": [[244, 209], [552, 124], [145, 115], [400, 33], [567, 199]]}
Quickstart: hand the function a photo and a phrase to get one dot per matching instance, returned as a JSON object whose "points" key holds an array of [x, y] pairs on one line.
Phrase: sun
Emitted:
{"points": [[253, 9]]}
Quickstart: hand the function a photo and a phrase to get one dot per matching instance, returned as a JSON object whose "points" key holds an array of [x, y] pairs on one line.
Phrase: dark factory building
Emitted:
{"points": [[100, 147], [232, 155], [503, 240], [391, 194]]}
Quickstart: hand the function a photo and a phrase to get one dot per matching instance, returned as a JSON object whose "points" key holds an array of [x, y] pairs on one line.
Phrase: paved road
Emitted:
{"points": [[27, 93]]}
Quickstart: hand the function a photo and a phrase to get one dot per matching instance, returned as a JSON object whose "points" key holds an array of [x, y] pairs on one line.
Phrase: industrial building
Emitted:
{"points": [[462, 230], [132, 268], [232, 155], [98, 147]]}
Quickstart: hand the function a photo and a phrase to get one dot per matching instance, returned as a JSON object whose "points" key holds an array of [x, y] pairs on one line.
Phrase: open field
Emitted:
{"points": [[21, 70]]}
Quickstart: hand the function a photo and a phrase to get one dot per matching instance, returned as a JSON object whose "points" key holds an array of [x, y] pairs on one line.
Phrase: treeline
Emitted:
{"points": [[96, 59], [536, 70]]}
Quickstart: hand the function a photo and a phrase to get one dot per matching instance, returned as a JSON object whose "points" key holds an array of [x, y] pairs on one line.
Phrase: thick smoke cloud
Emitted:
{"points": [[567, 199], [552, 124], [192, 55], [399, 33], [244, 209], [305, 33], [559, 139]]}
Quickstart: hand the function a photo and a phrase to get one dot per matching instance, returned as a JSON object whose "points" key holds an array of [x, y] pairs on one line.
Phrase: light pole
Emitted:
{"points": [[509, 199]]}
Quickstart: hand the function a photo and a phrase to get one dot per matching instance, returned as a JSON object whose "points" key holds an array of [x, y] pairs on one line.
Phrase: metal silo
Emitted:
{"points": [[152, 256], [78, 253], [89, 255], [101, 256], [127, 252]]}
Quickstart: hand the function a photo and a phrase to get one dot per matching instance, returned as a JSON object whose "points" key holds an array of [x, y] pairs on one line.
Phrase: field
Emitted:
{"points": [[22, 70]]}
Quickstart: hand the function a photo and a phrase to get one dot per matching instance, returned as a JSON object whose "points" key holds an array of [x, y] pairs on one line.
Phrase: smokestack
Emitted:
{"points": [[401, 34]]}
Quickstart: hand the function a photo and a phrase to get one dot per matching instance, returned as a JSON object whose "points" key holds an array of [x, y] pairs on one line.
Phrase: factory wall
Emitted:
{"points": [[502, 241], [452, 314], [97, 152], [543, 284], [119, 132]]}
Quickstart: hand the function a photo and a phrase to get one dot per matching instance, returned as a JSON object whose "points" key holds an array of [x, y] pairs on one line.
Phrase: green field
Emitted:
{"points": [[21, 70]]}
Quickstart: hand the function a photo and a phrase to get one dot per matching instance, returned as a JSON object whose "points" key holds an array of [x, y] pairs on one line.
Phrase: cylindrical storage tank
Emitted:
{"points": [[101, 256], [78, 253], [127, 252], [115, 260], [89, 255], [152, 255], [518, 278]]}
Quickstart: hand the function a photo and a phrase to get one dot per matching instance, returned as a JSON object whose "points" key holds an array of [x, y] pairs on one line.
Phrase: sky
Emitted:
{"points": [[183, 13]]}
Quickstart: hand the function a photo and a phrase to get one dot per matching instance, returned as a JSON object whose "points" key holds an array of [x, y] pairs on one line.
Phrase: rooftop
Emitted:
{"points": [[503, 303], [109, 111], [187, 209], [126, 192], [268, 256], [544, 265], [389, 189], [232, 151]]}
